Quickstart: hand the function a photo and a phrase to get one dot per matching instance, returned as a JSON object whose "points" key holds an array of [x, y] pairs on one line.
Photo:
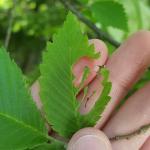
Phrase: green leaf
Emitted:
{"points": [[83, 1], [51, 146], [94, 115], [58, 93], [21, 125], [110, 13]]}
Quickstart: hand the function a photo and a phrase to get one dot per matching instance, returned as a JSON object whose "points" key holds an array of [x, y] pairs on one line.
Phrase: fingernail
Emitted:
{"points": [[90, 142], [93, 141]]}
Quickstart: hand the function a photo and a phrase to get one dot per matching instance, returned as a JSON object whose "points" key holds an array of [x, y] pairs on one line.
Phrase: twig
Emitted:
{"points": [[141, 130], [102, 35], [10, 23]]}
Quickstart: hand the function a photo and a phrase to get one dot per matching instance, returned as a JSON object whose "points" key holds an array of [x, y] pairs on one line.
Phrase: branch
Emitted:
{"points": [[102, 35], [10, 23], [139, 131]]}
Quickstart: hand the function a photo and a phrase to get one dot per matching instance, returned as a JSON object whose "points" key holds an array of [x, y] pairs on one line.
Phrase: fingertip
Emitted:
{"points": [[89, 138]]}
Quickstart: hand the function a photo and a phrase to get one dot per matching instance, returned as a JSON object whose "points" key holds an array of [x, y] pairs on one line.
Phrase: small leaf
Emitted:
{"points": [[21, 125], [110, 13]]}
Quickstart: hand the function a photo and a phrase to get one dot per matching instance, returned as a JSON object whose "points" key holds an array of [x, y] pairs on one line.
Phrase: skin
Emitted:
{"points": [[146, 145], [126, 66]]}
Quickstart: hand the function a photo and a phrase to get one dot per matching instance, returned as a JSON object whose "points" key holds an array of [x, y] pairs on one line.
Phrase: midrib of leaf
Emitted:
{"points": [[69, 76], [49, 146], [72, 88], [23, 125], [45, 137]]}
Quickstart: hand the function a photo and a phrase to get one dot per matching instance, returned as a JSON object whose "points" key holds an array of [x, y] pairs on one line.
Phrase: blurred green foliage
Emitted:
{"points": [[35, 21]]}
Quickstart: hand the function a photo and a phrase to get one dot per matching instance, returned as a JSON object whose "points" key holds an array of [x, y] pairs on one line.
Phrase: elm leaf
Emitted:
{"points": [[58, 93], [21, 125], [110, 13]]}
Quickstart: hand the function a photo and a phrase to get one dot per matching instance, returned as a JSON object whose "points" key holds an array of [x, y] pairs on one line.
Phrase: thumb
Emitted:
{"points": [[89, 139]]}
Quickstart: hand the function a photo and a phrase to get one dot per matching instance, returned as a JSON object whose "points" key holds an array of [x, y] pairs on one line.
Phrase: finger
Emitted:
{"points": [[93, 65], [89, 139], [131, 117], [146, 145], [133, 143], [126, 66], [35, 89]]}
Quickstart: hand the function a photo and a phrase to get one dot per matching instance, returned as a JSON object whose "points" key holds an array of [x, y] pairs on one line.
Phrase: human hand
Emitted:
{"points": [[126, 66]]}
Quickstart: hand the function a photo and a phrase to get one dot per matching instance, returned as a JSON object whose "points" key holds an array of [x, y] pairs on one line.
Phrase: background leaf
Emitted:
{"points": [[109, 13], [21, 124]]}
